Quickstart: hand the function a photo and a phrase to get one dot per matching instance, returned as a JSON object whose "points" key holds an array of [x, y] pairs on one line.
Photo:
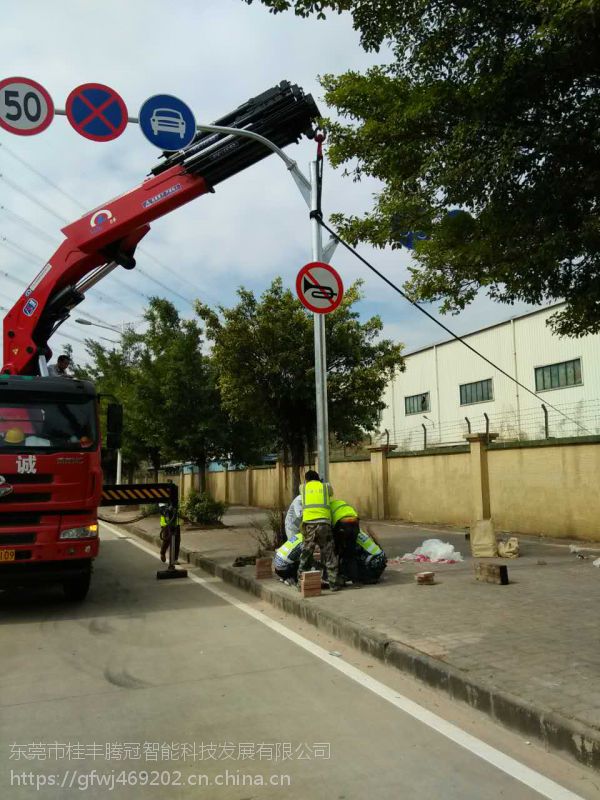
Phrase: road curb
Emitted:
{"points": [[552, 729]]}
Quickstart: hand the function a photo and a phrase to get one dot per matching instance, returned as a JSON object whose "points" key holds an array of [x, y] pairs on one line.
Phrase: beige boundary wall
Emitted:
{"points": [[549, 487]]}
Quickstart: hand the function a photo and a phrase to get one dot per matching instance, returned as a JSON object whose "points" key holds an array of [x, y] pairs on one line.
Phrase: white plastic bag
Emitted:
{"points": [[436, 550]]}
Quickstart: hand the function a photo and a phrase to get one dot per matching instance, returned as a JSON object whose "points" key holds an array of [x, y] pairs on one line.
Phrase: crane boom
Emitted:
{"points": [[108, 235]]}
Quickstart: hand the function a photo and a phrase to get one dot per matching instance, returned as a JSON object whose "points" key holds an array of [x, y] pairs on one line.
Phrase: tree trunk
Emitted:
{"points": [[155, 457], [201, 464], [297, 452]]}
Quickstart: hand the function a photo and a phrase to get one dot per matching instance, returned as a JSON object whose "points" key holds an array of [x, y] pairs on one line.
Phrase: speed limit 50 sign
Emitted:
{"points": [[26, 108]]}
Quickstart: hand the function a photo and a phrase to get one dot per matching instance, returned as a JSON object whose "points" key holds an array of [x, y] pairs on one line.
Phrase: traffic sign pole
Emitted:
{"points": [[319, 331]]}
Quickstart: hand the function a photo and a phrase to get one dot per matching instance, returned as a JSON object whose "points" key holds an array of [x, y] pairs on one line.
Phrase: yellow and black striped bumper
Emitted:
{"points": [[138, 493]]}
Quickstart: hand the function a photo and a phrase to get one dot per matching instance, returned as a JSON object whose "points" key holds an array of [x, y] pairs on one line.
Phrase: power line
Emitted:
{"points": [[24, 285], [8, 243], [22, 221], [164, 286], [41, 175], [32, 198], [81, 206], [441, 324]]}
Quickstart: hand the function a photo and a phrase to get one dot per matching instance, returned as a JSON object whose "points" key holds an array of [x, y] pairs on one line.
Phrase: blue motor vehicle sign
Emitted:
{"points": [[167, 122]]}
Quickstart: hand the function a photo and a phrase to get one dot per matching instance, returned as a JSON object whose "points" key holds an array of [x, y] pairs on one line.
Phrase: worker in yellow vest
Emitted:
{"points": [[316, 527], [370, 558], [362, 560], [287, 558], [345, 526], [170, 525]]}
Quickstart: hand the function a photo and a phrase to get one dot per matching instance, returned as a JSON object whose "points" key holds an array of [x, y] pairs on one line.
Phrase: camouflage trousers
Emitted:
{"points": [[319, 533]]}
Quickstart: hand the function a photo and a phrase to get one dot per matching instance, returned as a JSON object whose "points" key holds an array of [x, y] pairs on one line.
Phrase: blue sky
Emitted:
{"points": [[214, 54]]}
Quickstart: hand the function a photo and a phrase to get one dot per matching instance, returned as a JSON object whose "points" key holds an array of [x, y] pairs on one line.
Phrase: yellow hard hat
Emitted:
{"points": [[14, 436]]}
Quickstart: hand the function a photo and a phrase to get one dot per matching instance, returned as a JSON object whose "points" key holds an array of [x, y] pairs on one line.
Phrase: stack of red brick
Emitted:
{"points": [[264, 568], [310, 584]]}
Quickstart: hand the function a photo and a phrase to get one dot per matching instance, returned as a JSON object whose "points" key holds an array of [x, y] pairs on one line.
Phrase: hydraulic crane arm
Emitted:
{"points": [[107, 237]]}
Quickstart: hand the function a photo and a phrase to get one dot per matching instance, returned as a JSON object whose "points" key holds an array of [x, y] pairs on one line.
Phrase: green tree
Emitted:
{"points": [[492, 109], [167, 385], [263, 350], [112, 373]]}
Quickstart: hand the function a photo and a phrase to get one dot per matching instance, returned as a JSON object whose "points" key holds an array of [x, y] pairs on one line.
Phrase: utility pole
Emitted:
{"points": [[319, 332]]}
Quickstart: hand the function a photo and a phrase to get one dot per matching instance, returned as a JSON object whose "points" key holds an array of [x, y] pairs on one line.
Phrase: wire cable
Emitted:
{"points": [[15, 187], [41, 175], [12, 215], [458, 338], [13, 246], [81, 206]]}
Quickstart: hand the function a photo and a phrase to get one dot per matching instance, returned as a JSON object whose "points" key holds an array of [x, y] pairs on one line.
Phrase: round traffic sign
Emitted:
{"points": [[167, 122], [26, 108], [319, 287], [97, 112]]}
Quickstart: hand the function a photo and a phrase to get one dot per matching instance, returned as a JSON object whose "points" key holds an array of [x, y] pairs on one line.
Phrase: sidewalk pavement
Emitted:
{"points": [[528, 653]]}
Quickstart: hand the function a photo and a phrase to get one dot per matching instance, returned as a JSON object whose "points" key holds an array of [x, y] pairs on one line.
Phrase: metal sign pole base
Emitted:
{"points": [[170, 573]]}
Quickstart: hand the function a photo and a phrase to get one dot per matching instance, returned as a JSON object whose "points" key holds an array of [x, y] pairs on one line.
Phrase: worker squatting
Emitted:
{"points": [[314, 518]]}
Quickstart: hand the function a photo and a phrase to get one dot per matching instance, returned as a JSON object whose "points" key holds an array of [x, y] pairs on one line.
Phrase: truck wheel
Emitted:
{"points": [[76, 588]]}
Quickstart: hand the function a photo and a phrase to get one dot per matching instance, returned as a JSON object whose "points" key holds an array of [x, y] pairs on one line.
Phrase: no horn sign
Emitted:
{"points": [[319, 287]]}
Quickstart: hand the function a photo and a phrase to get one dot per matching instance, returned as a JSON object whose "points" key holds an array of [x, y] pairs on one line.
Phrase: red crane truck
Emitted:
{"points": [[50, 444]]}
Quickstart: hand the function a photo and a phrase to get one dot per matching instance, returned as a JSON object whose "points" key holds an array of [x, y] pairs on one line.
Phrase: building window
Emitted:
{"points": [[556, 376], [416, 403], [477, 392]]}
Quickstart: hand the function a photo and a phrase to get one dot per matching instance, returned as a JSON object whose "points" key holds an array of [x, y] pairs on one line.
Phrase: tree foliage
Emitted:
{"points": [[168, 388], [263, 350], [490, 108]]}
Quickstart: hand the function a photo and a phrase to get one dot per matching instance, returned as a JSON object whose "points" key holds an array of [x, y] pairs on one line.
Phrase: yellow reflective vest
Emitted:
{"points": [[163, 519], [315, 502], [287, 552], [340, 510], [364, 541]]}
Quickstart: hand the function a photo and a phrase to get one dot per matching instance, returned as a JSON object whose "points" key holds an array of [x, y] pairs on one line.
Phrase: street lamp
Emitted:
{"points": [[100, 325]]}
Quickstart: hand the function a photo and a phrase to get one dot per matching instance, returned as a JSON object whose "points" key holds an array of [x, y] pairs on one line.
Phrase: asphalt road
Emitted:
{"points": [[170, 690]]}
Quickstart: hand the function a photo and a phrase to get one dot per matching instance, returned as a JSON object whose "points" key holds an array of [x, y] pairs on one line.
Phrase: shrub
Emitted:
{"points": [[276, 522], [200, 507], [270, 534]]}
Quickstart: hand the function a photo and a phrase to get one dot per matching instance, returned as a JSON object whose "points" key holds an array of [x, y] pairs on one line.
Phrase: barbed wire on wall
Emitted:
{"points": [[532, 423], [422, 431]]}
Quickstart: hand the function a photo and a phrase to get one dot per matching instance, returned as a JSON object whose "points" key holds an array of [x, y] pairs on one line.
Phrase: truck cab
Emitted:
{"points": [[50, 482]]}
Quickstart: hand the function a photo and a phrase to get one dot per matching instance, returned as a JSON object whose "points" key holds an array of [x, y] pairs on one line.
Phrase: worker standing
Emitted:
{"points": [[293, 519], [316, 526], [170, 526]]}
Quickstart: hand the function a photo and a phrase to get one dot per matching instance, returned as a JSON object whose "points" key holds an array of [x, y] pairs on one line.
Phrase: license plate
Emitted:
{"points": [[7, 555]]}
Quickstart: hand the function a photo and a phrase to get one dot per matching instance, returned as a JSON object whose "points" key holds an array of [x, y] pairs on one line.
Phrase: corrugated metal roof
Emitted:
{"points": [[486, 328]]}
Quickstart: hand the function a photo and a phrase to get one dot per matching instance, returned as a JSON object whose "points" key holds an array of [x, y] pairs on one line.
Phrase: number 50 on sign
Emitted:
{"points": [[26, 108]]}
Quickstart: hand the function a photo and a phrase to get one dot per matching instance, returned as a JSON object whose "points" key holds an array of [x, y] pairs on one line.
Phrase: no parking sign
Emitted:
{"points": [[97, 112]]}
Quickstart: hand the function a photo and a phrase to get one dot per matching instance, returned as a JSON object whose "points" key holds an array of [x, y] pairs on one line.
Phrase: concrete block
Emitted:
{"points": [[492, 573]]}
